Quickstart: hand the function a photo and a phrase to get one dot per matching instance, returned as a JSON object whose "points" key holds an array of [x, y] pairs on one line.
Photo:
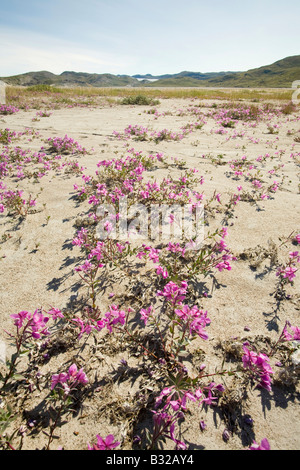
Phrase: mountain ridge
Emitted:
{"points": [[280, 74]]}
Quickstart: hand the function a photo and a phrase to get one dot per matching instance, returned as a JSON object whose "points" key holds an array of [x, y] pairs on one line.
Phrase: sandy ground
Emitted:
{"points": [[38, 259]]}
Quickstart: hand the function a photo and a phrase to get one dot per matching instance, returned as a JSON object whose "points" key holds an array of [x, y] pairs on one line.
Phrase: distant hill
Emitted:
{"points": [[70, 79], [185, 74], [280, 74]]}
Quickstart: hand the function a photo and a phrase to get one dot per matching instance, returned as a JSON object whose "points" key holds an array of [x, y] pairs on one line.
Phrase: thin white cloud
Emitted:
{"points": [[23, 52]]}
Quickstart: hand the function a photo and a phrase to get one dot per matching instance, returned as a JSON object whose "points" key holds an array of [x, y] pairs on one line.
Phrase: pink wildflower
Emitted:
{"points": [[58, 378], [145, 313], [36, 323], [20, 317], [70, 379], [55, 313], [86, 266], [162, 271], [259, 366], [291, 337], [108, 226], [108, 443], [154, 255], [223, 265], [289, 273], [173, 292], [264, 445], [114, 316]]}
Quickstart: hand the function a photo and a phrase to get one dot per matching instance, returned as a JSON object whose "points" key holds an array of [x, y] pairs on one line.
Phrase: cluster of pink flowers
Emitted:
{"points": [[173, 401], [174, 293], [146, 313], [7, 136], [257, 183], [34, 324], [236, 134], [220, 130], [142, 132], [88, 325], [294, 336], [165, 134], [220, 247], [111, 318], [43, 113], [191, 127], [288, 272], [224, 264], [86, 267], [65, 145], [259, 367], [82, 238], [13, 200], [8, 109], [55, 313], [69, 380], [156, 113], [236, 113], [152, 253], [196, 320], [138, 131], [176, 248], [15, 161], [240, 166], [164, 426], [108, 443], [114, 316], [128, 173], [219, 258]]}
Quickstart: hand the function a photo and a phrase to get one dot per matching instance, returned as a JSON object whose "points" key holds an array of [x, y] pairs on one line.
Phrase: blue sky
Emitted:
{"points": [[152, 36]]}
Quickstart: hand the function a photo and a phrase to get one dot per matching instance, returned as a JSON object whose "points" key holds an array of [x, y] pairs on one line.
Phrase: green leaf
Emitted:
{"points": [[25, 352], [18, 377]]}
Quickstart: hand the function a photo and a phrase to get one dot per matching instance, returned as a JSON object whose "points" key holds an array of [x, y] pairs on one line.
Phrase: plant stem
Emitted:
{"points": [[52, 429], [7, 443]]}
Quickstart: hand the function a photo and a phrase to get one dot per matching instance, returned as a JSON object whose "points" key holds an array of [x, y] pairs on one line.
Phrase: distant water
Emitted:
{"points": [[148, 79]]}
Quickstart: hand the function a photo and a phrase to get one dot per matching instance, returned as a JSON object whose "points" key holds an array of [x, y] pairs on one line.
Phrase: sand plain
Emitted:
{"points": [[38, 260]]}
